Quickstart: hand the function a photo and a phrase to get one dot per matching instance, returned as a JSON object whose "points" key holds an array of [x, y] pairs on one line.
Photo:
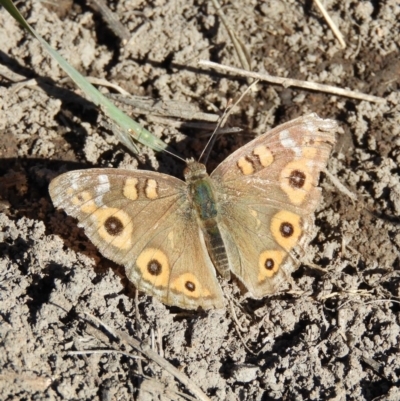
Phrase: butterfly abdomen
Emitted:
{"points": [[216, 247], [204, 202]]}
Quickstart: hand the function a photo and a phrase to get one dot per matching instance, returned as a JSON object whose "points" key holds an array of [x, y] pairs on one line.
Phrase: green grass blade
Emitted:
{"points": [[128, 127]]}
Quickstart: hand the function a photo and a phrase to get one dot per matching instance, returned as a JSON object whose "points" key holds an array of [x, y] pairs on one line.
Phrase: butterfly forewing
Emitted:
{"points": [[143, 220]]}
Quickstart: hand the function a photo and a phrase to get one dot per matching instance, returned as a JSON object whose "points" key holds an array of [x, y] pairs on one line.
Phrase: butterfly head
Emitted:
{"points": [[194, 171]]}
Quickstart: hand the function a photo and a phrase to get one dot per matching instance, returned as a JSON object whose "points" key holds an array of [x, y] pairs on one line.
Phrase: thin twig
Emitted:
{"points": [[149, 353], [233, 312], [10, 75], [170, 108], [154, 387], [145, 350], [244, 342], [238, 45], [340, 186], [107, 84], [287, 82], [331, 24], [193, 125], [137, 325], [369, 302], [111, 19], [104, 351]]}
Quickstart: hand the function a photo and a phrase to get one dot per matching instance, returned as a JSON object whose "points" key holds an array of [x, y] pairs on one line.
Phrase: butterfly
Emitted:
{"points": [[248, 217]]}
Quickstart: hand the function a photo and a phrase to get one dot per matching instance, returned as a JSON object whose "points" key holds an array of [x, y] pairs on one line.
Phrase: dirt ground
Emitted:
{"points": [[334, 336]]}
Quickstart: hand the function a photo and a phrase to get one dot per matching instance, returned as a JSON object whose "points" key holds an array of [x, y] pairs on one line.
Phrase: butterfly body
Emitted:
{"points": [[203, 198], [248, 217]]}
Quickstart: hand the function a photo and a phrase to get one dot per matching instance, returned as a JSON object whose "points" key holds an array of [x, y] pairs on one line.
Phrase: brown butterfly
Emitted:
{"points": [[247, 217]]}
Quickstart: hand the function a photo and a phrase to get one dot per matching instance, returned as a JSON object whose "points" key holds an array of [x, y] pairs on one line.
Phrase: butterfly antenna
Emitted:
{"points": [[213, 137], [174, 155], [222, 121]]}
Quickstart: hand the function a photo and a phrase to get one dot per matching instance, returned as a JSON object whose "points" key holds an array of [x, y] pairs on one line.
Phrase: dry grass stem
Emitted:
{"points": [[111, 19], [331, 24], [152, 355], [241, 50], [288, 82]]}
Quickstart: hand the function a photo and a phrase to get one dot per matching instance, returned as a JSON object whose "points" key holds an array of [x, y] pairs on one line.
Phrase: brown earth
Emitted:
{"points": [[335, 336]]}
